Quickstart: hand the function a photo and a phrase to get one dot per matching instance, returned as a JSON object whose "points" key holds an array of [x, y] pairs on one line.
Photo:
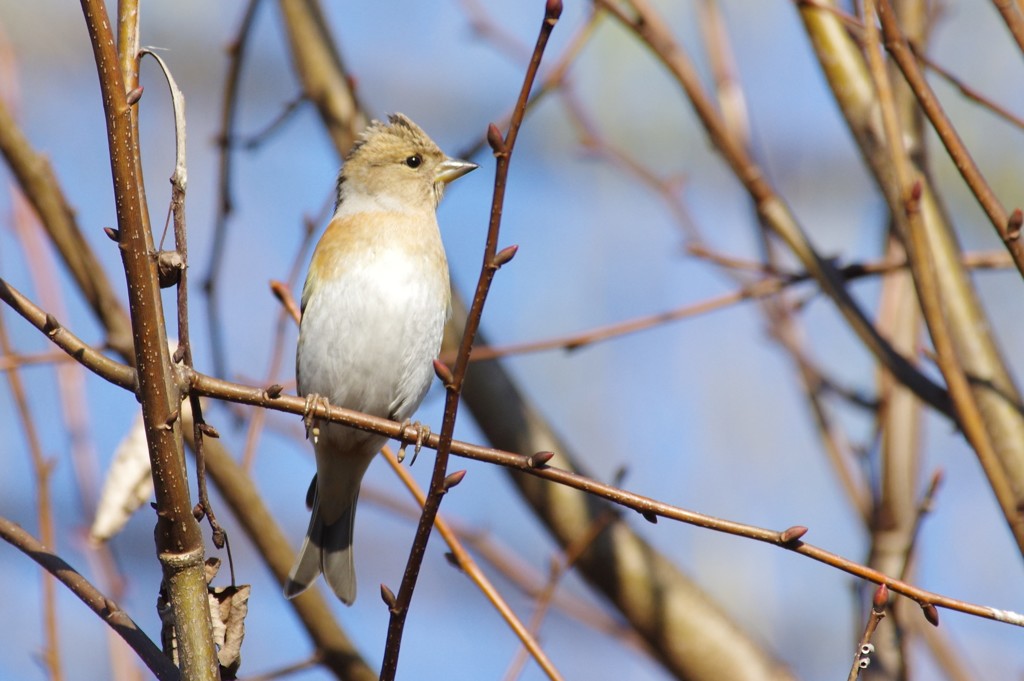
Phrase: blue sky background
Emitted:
{"points": [[705, 413]]}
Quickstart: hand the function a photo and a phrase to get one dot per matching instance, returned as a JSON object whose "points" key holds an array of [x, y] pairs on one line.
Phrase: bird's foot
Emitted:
{"points": [[422, 433], [309, 415]]}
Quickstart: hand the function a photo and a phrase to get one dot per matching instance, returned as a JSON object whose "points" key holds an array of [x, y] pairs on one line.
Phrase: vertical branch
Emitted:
{"points": [[178, 538], [173, 268], [453, 380]]}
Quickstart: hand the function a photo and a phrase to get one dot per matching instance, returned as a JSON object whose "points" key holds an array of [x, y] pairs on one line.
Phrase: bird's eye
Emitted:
{"points": [[414, 161]]}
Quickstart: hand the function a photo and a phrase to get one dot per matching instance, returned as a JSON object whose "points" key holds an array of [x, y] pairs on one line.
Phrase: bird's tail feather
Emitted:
{"points": [[326, 549]]}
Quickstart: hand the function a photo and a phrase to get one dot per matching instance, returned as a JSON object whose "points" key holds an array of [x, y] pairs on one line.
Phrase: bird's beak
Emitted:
{"points": [[452, 169]]}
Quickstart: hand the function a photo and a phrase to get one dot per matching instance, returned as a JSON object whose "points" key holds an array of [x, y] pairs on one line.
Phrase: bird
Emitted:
{"points": [[374, 305]]}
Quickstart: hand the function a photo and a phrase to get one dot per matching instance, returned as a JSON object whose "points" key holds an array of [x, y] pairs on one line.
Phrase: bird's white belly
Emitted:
{"points": [[368, 337]]}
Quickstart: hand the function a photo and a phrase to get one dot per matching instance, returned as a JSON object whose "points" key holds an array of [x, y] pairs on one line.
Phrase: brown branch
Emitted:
{"points": [[454, 379], [769, 286], [220, 389], [179, 541], [108, 610]]}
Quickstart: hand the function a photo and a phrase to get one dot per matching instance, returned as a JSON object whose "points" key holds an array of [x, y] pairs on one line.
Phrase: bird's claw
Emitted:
{"points": [[422, 433], [309, 415]]}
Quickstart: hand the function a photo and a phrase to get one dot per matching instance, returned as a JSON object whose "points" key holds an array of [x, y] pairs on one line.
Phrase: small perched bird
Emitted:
{"points": [[374, 306]]}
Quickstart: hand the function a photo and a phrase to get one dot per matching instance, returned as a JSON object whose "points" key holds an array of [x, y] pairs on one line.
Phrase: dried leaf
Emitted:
{"points": [[228, 607]]}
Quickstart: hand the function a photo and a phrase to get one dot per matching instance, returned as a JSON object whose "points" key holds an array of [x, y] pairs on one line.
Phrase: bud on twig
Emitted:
{"points": [[650, 517], [916, 190], [881, 598], [388, 596], [792, 534], [274, 391], [219, 537], [169, 266], [443, 373], [51, 326], [540, 459], [112, 234], [931, 613], [503, 256], [134, 95], [495, 139], [209, 431], [453, 479], [553, 10], [1013, 225]]}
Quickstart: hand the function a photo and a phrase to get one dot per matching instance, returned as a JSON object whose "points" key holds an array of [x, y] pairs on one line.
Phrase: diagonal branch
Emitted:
{"points": [[107, 609], [440, 481]]}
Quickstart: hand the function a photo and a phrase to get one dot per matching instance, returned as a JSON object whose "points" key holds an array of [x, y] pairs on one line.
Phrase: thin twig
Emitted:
{"points": [[769, 286], [492, 261], [217, 388], [864, 648]]}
